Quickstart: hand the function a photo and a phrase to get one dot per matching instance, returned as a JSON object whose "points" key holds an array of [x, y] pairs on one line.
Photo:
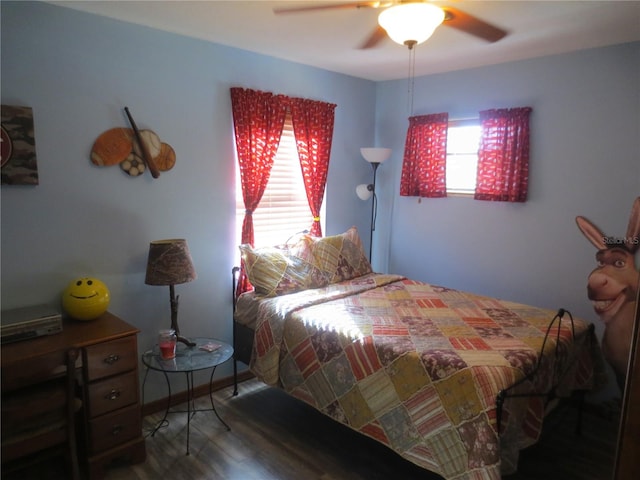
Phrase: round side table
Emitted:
{"points": [[188, 360]]}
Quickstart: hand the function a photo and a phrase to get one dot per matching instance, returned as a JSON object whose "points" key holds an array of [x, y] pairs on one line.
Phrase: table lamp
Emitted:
{"points": [[169, 263]]}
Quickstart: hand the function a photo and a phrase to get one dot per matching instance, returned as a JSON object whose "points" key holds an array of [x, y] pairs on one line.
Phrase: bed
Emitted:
{"points": [[454, 382]]}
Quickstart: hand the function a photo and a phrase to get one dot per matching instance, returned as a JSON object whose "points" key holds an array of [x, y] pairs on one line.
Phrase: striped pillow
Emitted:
{"points": [[340, 257], [280, 270]]}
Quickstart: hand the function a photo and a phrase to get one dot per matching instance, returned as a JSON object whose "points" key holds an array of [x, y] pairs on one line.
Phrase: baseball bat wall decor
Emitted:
{"points": [[146, 156]]}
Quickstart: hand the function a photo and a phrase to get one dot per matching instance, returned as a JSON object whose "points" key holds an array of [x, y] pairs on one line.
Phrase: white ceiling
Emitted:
{"points": [[329, 39]]}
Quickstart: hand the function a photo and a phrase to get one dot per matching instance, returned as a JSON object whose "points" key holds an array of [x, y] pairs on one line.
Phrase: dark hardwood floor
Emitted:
{"points": [[563, 454], [274, 437]]}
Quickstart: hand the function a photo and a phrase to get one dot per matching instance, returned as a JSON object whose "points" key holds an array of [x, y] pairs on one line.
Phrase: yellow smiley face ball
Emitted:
{"points": [[85, 298]]}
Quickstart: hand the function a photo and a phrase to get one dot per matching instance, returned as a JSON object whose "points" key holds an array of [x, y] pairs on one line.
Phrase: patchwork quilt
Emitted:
{"points": [[418, 367]]}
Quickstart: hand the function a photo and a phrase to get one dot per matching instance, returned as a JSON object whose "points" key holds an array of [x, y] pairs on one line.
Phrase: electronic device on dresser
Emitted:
{"points": [[110, 423], [29, 322]]}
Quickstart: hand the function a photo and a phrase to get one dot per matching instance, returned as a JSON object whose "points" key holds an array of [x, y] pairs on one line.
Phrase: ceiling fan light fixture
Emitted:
{"points": [[411, 23]]}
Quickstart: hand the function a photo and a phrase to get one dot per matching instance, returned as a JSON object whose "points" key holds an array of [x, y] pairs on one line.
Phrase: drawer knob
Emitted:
{"points": [[112, 395], [111, 359], [116, 430]]}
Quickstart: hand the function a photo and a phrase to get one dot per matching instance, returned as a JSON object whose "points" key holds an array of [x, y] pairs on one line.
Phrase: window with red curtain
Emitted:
{"points": [[425, 157], [313, 129], [503, 157], [259, 119]]}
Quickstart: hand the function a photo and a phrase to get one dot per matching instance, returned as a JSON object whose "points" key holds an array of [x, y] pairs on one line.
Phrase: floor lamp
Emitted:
{"points": [[375, 156]]}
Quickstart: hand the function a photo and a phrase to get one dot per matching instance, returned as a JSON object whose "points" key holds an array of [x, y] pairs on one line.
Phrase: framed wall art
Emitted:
{"points": [[18, 147]]}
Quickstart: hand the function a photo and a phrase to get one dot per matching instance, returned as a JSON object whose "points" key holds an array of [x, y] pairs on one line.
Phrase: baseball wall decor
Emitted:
{"points": [[134, 150]]}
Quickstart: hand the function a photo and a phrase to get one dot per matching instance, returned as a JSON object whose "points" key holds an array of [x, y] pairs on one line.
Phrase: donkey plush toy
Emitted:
{"points": [[612, 288]]}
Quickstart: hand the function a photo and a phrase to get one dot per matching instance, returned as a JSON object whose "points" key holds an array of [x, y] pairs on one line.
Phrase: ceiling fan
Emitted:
{"points": [[410, 22]]}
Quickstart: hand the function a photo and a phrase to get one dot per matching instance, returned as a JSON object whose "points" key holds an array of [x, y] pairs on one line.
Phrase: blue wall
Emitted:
{"points": [[585, 160], [78, 71]]}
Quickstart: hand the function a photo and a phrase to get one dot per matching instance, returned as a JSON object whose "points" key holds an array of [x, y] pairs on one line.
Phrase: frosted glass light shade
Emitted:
{"points": [[364, 191], [411, 22], [375, 155]]}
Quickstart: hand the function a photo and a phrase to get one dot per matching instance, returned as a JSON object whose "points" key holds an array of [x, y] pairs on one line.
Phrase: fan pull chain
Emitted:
{"points": [[411, 76]]}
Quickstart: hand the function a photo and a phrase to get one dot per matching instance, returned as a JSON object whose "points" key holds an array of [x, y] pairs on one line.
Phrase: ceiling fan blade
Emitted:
{"points": [[375, 38], [328, 6], [468, 23]]}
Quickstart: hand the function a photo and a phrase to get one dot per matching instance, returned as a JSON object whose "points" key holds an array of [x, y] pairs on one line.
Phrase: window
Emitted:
{"points": [[490, 161], [463, 141], [283, 210]]}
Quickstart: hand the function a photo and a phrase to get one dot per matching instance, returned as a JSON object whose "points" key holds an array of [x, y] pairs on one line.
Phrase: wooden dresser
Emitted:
{"points": [[112, 425]]}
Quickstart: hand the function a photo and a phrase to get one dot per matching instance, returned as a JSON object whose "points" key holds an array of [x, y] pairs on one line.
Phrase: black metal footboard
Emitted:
{"points": [[558, 372]]}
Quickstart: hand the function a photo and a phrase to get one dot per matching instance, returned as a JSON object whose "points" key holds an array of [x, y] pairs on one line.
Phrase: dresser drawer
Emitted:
{"points": [[110, 358], [32, 370], [112, 393], [115, 428]]}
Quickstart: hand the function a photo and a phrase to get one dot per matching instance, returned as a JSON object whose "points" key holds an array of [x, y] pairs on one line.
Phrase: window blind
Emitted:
{"points": [[283, 210]]}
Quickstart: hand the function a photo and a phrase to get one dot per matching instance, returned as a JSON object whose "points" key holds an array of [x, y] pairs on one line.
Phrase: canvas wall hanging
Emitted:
{"points": [[18, 147]]}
